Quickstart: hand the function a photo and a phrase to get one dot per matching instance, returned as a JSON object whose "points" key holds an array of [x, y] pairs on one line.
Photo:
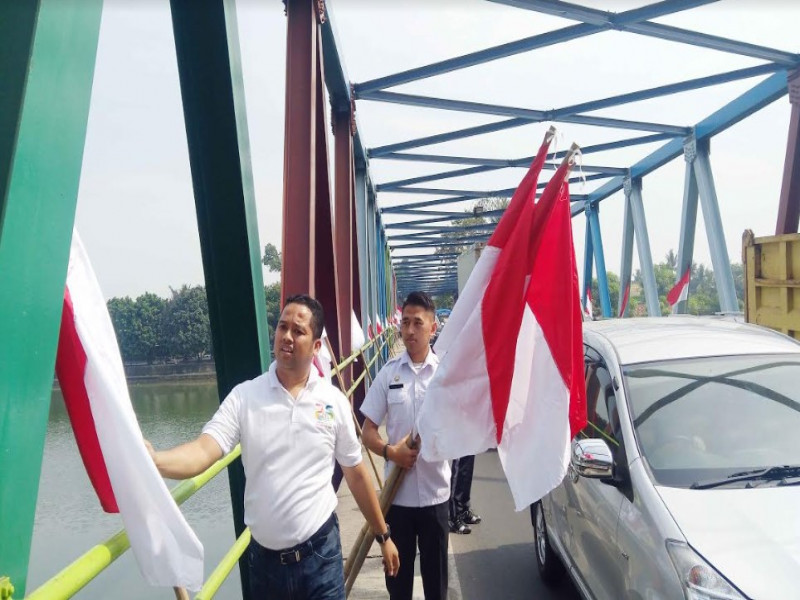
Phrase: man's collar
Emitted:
{"points": [[430, 359], [313, 376]]}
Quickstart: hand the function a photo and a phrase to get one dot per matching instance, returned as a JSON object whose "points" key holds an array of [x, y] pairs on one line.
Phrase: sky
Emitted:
{"points": [[136, 210]]}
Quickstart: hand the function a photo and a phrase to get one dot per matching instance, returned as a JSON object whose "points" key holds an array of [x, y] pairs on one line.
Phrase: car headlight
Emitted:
{"points": [[699, 579]]}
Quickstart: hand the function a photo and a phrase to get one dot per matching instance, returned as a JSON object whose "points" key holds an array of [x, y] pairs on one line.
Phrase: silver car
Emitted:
{"points": [[686, 481]]}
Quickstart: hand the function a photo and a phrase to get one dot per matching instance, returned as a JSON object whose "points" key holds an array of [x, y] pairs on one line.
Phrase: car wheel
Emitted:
{"points": [[550, 567]]}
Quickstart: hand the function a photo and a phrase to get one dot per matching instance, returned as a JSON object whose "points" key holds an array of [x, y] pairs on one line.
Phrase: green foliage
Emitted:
{"points": [[272, 258], [475, 218], [703, 297], [272, 298], [185, 323], [138, 326]]}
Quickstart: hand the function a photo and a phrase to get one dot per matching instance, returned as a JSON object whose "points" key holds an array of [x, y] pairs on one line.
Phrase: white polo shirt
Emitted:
{"points": [[288, 449], [397, 395]]}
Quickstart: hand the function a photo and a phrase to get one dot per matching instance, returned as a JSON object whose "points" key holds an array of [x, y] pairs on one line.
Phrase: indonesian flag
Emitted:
{"points": [[513, 376], [378, 325], [625, 298], [322, 360], [680, 290], [474, 289], [89, 369], [398, 316], [356, 333], [370, 332], [587, 308]]}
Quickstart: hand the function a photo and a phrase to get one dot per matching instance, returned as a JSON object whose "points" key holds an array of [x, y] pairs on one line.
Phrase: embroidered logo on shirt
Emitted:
{"points": [[324, 414]]}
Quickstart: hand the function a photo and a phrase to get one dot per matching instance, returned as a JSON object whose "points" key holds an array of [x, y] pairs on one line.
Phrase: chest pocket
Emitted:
{"points": [[398, 393]]}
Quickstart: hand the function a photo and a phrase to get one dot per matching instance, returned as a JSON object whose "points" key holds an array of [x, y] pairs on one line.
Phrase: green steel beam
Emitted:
{"points": [[212, 89], [47, 63]]}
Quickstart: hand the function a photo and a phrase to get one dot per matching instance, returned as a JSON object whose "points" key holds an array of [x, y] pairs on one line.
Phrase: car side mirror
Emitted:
{"points": [[592, 458]]}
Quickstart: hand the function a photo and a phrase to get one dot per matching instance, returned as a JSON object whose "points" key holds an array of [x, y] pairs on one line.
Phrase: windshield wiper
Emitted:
{"points": [[777, 473]]}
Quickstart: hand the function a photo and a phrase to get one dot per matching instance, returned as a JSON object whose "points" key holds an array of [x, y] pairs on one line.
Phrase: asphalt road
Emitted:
{"points": [[497, 559]]}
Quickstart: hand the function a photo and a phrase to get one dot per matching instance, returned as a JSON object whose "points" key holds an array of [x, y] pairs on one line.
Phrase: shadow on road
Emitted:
{"points": [[508, 572]]}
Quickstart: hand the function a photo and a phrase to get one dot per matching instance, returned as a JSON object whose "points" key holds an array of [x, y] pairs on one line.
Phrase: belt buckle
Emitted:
{"points": [[286, 557]]}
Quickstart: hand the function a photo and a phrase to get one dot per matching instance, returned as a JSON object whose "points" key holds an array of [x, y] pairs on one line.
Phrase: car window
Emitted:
{"points": [[601, 405], [705, 418]]}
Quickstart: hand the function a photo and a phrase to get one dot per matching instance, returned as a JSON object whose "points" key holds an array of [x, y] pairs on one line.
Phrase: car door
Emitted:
{"points": [[593, 506]]}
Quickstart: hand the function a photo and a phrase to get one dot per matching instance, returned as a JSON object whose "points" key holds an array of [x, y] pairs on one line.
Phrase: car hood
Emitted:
{"points": [[751, 536]]}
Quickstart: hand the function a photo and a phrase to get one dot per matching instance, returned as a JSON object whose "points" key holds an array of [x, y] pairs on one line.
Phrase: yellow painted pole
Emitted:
{"points": [[224, 568], [70, 580]]}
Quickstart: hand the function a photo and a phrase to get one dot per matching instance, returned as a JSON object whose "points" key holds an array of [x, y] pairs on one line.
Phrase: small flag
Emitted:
{"points": [[680, 291]]}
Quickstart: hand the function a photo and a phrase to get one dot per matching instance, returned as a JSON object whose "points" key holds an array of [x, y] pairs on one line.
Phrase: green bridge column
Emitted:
{"points": [[212, 88], [47, 58]]}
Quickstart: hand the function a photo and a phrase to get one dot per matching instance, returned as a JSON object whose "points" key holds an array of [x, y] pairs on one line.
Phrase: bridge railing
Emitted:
{"points": [[70, 580]]}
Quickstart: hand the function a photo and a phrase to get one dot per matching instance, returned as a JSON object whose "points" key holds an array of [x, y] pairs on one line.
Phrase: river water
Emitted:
{"points": [[69, 519]]}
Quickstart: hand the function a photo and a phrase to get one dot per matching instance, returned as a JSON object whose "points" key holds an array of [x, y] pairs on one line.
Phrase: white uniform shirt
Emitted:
{"points": [[288, 449], [397, 395]]}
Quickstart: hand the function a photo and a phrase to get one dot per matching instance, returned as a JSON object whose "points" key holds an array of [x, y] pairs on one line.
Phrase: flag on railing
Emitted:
{"points": [[323, 360], [370, 332], [680, 291], [378, 325], [513, 376], [89, 369], [356, 333]]}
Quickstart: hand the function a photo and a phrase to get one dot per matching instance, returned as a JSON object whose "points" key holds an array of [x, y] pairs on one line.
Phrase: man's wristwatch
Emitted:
{"points": [[384, 537]]}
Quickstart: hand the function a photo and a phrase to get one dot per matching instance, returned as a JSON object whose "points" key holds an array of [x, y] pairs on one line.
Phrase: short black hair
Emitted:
{"points": [[317, 314], [420, 299]]}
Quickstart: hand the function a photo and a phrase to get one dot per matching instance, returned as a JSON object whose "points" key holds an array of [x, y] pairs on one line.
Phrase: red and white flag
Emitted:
{"points": [[370, 332], [587, 307], [378, 325], [472, 294], [323, 360], [89, 369], [356, 333], [625, 297], [513, 378], [680, 291]]}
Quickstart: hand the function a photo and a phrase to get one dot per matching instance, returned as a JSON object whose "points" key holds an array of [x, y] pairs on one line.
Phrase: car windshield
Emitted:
{"points": [[701, 419]]}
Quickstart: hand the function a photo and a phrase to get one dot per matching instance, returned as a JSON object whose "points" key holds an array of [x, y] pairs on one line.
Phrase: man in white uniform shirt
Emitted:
{"points": [[419, 514], [292, 424]]}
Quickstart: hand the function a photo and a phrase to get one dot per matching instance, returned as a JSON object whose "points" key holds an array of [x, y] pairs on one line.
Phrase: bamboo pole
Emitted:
{"points": [[349, 395], [364, 541]]}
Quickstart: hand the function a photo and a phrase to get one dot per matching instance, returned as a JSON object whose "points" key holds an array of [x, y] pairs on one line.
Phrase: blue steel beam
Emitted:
{"points": [[502, 193], [536, 116], [754, 99], [646, 139], [391, 185], [443, 244], [459, 215], [673, 88], [404, 208], [542, 40], [642, 26]]}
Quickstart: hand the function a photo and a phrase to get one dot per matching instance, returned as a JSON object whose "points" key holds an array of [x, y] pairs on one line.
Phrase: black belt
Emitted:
{"points": [[293, 555]]}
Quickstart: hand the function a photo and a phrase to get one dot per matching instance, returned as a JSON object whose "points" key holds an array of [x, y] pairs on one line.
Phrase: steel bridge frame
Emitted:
{"points": [[357, 267]]}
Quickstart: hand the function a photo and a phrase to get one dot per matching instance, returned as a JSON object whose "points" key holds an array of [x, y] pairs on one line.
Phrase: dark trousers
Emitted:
{"points": [[461, 485], [317, 575], [427, 528]]}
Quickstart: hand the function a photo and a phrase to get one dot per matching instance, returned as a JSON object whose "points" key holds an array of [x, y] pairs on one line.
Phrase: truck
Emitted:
{"points": [[772, 281], [466, 261]]}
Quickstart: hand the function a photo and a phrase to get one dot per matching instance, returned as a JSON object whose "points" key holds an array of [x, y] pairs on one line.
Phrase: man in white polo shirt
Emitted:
{"points": [[419, 513], [292, 424]]}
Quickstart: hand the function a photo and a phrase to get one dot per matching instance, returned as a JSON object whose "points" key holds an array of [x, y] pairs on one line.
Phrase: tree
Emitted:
{"points": [[185, 323], [149, 316], [272, 258], [485, 205], [123, 316], [613, 292], [272, 297]]}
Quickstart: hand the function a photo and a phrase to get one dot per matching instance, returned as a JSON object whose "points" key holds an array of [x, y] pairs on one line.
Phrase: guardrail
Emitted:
{"points": [[70, 580]]}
